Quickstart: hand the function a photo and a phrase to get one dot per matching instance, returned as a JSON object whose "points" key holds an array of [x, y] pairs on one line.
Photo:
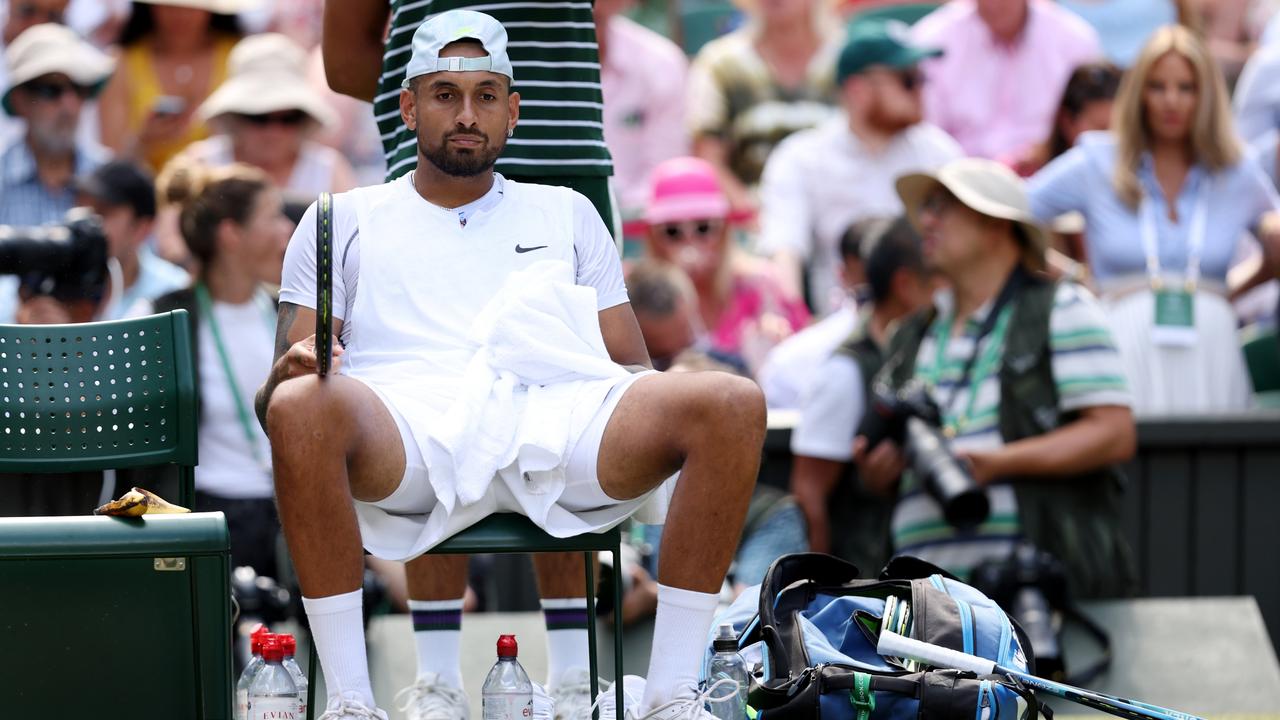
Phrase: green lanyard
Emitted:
{"points": [[990, 358], [242, 410]]}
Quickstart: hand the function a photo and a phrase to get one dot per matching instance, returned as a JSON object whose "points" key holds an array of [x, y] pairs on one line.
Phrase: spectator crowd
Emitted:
{"points": [[834, 199]]}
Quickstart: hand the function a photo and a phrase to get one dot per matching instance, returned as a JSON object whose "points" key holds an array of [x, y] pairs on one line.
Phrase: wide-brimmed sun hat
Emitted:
{"points": [[50, 48], [685, 188], [266, 73], [986, 187]]}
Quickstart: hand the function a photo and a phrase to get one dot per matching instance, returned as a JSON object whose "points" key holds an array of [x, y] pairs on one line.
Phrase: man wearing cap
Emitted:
{"points": [[818, 182], [51, 74], [560, 140], [1028, 382], [487, 340]]}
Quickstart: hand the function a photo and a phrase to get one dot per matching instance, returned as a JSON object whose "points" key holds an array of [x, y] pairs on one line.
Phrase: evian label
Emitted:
{"points": [[508, 707], [274, 708]]}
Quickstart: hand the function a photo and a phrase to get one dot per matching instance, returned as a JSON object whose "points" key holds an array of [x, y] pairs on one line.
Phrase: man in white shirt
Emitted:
{"points": [[818, 182], [440, 416]]}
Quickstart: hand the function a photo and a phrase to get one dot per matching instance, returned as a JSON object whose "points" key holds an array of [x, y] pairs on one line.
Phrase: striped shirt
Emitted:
{"points": [[25, 201], [556, 61], [1087, 372]]}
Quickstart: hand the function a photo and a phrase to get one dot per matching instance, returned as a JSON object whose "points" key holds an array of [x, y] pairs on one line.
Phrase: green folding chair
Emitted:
{"points": [[110, 617], [1261, 348], [513, 533]]}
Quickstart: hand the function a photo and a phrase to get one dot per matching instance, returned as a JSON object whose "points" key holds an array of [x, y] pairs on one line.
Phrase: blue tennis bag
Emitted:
{"points": [[810, 634]]}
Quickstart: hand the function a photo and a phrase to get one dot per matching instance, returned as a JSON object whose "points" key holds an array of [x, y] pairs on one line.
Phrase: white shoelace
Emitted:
{"points": [[349, 708], [693, 707], [429, 697]]}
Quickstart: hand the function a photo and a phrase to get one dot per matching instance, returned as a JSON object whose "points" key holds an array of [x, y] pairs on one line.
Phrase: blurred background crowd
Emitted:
{"points": [[755, 148]]}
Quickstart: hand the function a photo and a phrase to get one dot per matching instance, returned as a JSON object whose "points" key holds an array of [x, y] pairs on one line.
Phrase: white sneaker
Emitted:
{"points": [[572, 694], [346, 707], [544, 705], [632, 694], [692, 708], [430, 698]]}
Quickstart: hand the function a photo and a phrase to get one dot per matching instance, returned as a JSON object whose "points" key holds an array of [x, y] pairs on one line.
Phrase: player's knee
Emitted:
{"points": [[733, 408], [293, 403]]}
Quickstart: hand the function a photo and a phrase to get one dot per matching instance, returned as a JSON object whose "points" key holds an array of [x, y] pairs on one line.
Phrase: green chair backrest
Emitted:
{"points": [[1262, 354], [99, 396]]}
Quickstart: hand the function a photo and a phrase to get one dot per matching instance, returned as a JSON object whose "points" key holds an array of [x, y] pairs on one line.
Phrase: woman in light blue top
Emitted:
{"points": [[1167, 197]]}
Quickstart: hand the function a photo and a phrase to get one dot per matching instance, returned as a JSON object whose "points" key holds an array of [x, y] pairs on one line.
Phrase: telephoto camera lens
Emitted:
{"points": [[964, 503]]}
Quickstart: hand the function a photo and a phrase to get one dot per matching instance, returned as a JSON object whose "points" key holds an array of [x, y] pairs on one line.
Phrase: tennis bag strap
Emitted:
{"points": [[324, 283]]}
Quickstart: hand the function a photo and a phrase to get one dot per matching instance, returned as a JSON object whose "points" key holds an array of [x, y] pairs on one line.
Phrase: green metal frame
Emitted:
{"points": [[510, 532], [115, 395]]}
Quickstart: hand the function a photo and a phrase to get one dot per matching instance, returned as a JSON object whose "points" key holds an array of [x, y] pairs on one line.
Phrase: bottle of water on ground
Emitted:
{"points": [[273, 695], [507, 692], [290, 647], [246, 677], [727, 702]]}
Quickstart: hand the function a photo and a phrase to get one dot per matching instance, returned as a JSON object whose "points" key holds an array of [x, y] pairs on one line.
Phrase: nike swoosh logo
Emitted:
{"points": [[520, 249]]}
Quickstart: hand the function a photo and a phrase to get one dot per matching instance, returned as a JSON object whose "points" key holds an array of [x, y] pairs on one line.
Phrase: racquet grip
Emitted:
{"points": [[892, 644]]}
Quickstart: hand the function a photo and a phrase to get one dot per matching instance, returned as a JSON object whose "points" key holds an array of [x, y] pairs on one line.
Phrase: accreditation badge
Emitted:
{"points": [[1175, 324]]}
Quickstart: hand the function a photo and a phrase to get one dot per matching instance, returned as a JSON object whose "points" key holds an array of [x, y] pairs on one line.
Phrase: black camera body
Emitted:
{"points": [[66, 261], [1030, 585], [912, 419]]}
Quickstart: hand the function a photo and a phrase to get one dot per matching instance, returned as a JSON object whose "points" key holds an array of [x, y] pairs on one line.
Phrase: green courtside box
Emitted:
{"points": [[108, 617]]}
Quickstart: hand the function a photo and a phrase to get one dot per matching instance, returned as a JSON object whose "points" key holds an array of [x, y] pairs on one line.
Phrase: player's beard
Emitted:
{"points": [[462, 163], [879, 117]]}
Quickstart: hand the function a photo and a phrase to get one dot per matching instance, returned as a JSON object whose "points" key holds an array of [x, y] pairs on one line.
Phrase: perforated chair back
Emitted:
{"points": [[98, 396]]}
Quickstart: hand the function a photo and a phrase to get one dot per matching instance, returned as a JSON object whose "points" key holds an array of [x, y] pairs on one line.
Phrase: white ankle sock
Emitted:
{"points": [[437, 632], [337, 628], [679, 644], [567, 648]]}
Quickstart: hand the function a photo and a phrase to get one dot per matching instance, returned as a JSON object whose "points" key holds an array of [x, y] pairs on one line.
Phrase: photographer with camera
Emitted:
{"points": [[52, 72], [1006, 399], [842, 518]]}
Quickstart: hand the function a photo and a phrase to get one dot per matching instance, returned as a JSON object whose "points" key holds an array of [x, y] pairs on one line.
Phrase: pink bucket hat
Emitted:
{"points": [[685, 188]]}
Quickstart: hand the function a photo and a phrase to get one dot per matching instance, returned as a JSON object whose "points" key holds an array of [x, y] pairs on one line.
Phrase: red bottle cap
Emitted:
{"points": [[271, 649], [507, 647], [289, 645], [255, 638], [259, 641]]}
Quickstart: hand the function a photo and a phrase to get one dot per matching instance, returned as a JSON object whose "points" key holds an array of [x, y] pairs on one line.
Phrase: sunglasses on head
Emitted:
{"points": [[700, 229], [290, 118], [46, 90]]}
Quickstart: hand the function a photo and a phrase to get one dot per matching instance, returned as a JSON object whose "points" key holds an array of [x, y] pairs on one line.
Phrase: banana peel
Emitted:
{"points": [[138, 502]]}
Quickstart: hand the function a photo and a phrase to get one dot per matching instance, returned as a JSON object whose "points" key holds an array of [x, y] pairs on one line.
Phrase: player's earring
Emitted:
{"points": [[511, 132]]}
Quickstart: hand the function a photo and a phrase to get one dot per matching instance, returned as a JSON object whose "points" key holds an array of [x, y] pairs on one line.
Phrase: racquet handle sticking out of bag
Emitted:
{"points": [[892, 644], [324, 284]]}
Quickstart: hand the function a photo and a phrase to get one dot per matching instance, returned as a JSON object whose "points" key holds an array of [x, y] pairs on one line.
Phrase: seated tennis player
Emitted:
{"points": [[489, 362]]}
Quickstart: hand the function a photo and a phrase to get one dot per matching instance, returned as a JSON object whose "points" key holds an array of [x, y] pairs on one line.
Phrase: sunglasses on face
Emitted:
{"points": [[290, 118], [30, 11], [701, 230], [50, 91], [937, 203]]}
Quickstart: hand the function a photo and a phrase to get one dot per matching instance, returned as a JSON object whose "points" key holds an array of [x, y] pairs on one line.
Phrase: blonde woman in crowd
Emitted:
{"points": [[266, 114], [1167, 196], [174, 54], [756, 85]]}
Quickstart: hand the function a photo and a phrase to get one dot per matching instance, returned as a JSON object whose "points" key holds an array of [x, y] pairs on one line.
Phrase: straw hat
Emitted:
{"points": [[986, 187], [221, 7], [266, 73], [51, 48]]}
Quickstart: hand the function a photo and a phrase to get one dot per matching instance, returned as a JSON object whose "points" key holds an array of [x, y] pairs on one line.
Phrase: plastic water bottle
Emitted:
{"points": [[507, 692], [246, 677], [727, 663], [290, 647], [273, 695]]}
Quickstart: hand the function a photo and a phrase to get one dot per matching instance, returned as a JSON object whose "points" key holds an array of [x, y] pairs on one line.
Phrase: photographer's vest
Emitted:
{"points": [[860, 521], [1077, 519]]}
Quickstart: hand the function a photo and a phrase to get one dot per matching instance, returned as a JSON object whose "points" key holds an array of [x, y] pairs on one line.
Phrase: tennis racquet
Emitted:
{"points": [[894, 645], [324, 284]]}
